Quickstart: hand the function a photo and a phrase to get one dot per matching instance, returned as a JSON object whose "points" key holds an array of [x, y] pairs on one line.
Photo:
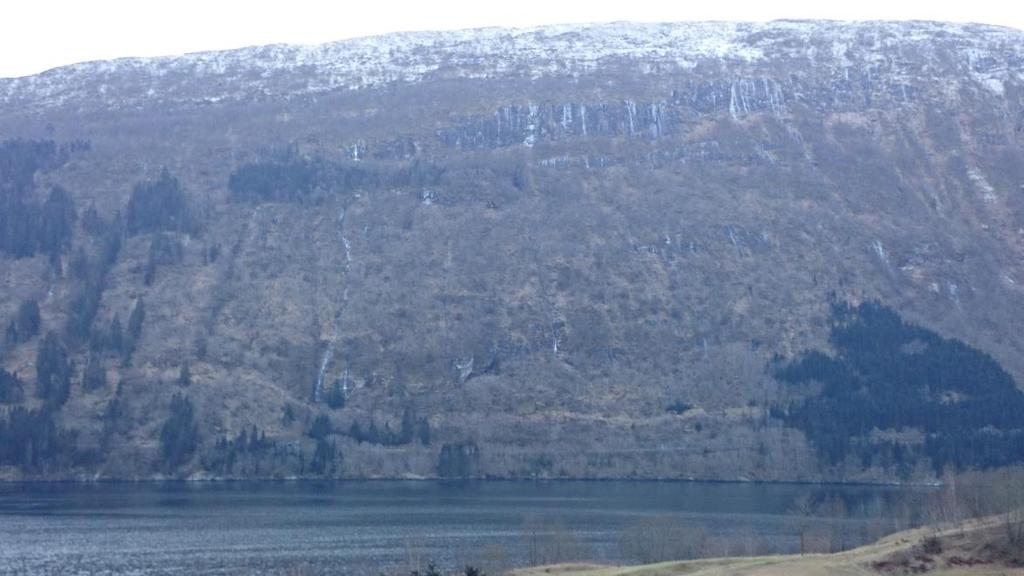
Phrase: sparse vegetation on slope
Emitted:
{"points": [[579, 267]]}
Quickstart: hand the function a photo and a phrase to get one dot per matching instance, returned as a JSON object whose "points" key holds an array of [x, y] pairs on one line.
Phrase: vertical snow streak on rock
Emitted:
{"points": [[880, 252], [336, 322], [318, 391], [732, 101], [445, 270], [631, 113], [954, 293], [656, 112]]}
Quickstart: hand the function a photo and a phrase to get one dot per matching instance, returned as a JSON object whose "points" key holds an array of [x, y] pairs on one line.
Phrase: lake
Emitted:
{"points": [[374, 527]]}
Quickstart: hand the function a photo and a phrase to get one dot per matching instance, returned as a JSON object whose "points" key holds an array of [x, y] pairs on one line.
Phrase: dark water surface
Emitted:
{"points": [[385, 527]]}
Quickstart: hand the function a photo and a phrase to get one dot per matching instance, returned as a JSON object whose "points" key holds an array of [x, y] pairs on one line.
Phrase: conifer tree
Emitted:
{"points": [[95, 376], [179, 435], [53, 371], [184, 376]]}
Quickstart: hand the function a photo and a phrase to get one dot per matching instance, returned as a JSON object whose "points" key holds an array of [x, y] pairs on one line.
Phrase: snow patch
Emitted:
{"points": [[285, 71], [880, 252], [988, 193]]}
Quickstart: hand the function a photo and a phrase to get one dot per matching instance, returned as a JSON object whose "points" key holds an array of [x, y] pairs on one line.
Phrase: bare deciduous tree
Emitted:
{"points": [[551, 542], [663, 538]]}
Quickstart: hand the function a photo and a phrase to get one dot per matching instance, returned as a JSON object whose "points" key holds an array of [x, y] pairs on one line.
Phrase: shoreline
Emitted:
{"points": [[390, 479]]}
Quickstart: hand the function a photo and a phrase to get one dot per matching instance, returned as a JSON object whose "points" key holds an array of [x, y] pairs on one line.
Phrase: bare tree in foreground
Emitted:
{"points": [[663, 538]]}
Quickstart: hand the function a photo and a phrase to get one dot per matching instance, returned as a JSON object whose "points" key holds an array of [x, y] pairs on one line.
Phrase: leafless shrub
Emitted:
{"points": [[997, 492], [552, 542], [494, 559], [663, 538]]}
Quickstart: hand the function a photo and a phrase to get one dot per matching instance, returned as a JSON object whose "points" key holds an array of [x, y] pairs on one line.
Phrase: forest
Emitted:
{"points": [[32, 439], [888, 375], [288, 177]]}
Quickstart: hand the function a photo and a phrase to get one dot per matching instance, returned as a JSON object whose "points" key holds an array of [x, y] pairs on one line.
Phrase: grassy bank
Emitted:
{"points": [[976, 548]]}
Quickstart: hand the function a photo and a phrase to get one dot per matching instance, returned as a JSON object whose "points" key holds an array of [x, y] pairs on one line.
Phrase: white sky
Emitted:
{"points": [[36, 35]]}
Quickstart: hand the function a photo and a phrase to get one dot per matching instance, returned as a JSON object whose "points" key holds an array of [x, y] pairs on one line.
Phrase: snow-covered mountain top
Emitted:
{"points": [[286, 70]]}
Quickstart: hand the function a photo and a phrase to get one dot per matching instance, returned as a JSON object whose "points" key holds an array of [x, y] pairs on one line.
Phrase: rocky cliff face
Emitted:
{"points": [[562, 251]]}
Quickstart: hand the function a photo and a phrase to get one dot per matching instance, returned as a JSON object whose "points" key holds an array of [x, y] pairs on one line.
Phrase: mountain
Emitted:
{"points": [[779, 251]]}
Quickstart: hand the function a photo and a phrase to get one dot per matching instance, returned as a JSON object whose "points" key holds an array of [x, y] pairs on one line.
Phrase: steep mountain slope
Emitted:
{"points": [[565, 251]]}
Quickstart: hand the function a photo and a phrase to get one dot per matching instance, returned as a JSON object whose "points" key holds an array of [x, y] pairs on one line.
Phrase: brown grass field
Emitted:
{"points": [[975, 548]]}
